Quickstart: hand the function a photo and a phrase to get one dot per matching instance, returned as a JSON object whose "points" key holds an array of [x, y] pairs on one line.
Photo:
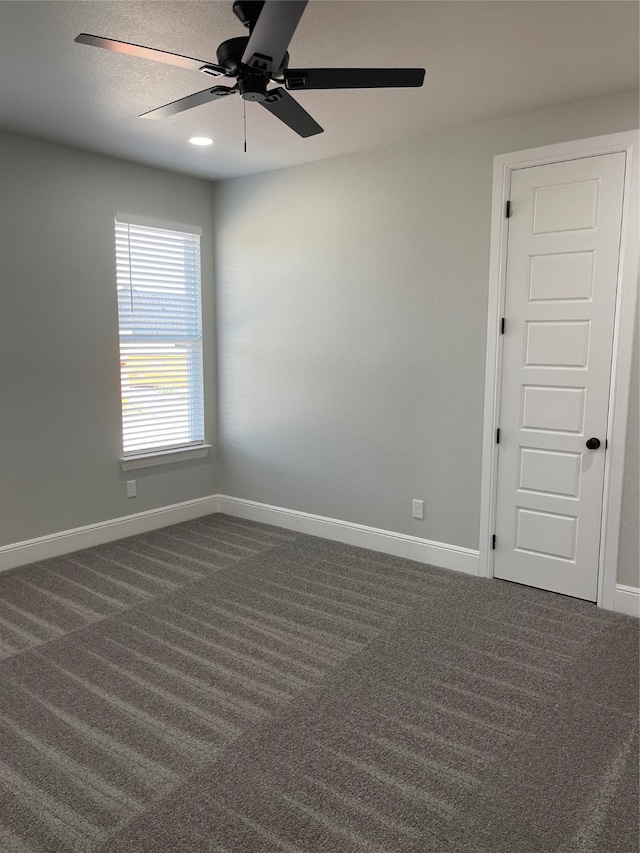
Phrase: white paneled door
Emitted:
{"points": [[562, 268]]}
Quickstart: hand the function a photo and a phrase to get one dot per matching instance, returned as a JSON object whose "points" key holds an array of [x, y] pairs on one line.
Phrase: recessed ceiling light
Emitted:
{"points": [[201, 140]]}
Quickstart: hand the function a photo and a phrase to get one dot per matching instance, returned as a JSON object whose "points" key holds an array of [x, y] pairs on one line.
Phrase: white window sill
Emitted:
{"points": [[164, 457]]}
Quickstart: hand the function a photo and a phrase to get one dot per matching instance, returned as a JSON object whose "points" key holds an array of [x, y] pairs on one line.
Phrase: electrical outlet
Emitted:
{"points": [[418, 509], [131, 488]]}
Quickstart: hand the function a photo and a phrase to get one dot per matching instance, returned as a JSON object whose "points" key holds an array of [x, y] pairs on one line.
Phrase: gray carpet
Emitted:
{"points": [[227, 687]]}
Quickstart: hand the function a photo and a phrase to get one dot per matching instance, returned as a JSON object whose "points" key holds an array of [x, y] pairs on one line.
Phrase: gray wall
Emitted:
{"points": [[60, 431], [352, 302]]}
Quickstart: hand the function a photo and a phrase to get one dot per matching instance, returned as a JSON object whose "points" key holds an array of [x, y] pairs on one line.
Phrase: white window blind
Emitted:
{"points": [[160, 318]]}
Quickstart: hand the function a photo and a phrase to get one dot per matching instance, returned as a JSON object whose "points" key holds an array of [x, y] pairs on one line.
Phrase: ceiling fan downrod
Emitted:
{"points": [[248, 12]]}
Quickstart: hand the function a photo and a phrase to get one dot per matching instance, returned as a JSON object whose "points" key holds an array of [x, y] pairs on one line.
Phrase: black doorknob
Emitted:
{"points": [[593, 443]]}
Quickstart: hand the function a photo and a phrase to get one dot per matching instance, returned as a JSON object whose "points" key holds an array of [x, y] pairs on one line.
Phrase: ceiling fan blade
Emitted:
{"points": [[272, 33], [195, 100], [151, 53], [283, 106], [352, 78]]}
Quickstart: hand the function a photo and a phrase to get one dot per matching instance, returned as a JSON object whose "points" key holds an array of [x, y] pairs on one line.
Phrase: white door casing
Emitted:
{"points": [[562, 270], [546, 469]]}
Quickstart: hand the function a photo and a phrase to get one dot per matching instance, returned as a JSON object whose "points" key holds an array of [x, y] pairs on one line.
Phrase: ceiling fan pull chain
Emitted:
{"points": [[244, 110]]}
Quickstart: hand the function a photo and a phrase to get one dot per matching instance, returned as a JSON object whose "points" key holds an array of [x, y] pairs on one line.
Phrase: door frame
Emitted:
{"points": [[626, 296]]}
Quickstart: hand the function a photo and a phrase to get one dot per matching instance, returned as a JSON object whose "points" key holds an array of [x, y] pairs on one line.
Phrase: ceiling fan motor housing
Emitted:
{"points": [[230, 53]]}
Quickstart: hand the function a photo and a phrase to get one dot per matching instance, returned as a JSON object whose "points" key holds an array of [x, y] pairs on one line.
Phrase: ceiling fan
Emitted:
{"points": [[257, 60]]}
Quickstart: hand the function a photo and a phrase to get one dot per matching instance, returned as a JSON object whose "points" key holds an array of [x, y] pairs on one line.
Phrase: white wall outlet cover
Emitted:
{"points": [[131, 488], [418, 509]]}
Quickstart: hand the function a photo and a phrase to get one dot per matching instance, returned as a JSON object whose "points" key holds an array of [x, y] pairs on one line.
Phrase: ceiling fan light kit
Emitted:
{"points": [[259, 59]]}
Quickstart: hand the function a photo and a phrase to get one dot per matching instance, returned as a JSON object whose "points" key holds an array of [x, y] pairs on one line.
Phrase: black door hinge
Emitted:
{"points": [[493, 542], [502, 324], [507, 210], [498, 436]]}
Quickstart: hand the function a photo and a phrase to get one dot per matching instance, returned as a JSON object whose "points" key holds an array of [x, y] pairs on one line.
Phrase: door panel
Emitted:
{"points": [[571, 206], [549, 472], [551, 343], [552, 409], [562, 269], [565, 276]]}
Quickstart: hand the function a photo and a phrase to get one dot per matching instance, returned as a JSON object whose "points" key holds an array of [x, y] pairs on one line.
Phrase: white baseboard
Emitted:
{"points": [[21, 553], [386, 541], [398, 544], [627, 600]]}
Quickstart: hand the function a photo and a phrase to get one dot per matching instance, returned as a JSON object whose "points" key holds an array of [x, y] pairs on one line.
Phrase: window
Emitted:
{"points": [[160, 319]]}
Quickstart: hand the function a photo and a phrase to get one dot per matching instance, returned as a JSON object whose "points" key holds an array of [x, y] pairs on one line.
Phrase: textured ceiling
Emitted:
{"points": [[483, 59]]}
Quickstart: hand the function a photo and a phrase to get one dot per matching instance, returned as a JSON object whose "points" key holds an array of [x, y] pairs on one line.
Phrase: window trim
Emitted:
{"points": [[164, 457], [149, 222]]}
